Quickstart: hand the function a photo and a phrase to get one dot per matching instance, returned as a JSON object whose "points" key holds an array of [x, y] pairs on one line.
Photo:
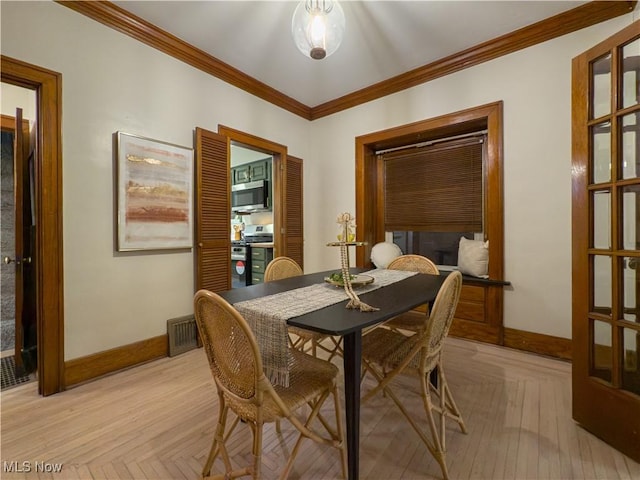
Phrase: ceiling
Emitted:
{"points": [[383, 38]]}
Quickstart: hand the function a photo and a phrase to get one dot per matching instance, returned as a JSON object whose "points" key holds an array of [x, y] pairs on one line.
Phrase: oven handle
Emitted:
{"points": [[239, 257]]}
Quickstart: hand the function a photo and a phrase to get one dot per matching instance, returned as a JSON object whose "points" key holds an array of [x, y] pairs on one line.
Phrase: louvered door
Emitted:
{"points": [[213, 210], [293, 210]]}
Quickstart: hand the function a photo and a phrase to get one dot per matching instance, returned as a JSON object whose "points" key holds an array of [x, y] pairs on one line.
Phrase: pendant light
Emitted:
{"points": [[317, 27]]}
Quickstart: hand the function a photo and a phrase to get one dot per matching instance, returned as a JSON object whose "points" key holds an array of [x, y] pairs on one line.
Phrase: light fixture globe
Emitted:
{"points": [[317, 27]]}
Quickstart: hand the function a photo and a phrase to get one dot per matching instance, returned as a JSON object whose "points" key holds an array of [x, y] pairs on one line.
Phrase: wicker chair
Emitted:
{"points": [[299, 338], [411, 321], [387, 354], [243, 388]]}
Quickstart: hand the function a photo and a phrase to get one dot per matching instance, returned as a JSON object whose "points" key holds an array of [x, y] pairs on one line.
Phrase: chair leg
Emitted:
{"points": [[450, 402], [218, 439], [337, 434], [438, 437], [341, 439], [257, 450], [337, 349], [206, 470]]}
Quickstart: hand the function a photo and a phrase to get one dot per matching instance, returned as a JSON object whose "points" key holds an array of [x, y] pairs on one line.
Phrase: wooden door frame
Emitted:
{"points": [[279, 153], [48, 260], [370, 198], [369, 177]]}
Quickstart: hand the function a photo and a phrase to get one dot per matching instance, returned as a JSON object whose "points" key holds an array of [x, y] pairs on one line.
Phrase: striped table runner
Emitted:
{"points": [[267, 316]]}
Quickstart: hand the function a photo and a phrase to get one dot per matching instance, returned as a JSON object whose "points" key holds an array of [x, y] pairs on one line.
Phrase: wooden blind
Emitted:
{"points": [[436, 188]]}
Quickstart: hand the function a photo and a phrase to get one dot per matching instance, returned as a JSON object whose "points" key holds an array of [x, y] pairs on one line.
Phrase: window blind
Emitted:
{"points": [[435, 188]]}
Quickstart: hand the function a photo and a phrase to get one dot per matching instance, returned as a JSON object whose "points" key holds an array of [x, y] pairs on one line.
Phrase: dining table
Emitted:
{"points": [[337, 320]]}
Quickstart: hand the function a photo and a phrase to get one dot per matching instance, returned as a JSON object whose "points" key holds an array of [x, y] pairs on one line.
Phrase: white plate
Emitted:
{"points": [[358, 281]]}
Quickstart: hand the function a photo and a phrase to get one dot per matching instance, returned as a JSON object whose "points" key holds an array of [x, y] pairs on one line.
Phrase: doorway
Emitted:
{"points": [[47, 201], [18, 325], [287, 216]]}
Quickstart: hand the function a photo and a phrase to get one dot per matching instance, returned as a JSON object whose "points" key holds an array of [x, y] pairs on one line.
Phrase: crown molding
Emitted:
{"points": [[577, 18], [570, 21]]}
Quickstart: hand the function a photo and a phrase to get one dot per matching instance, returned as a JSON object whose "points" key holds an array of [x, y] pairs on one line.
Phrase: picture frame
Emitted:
{"points": [[154, 194]]}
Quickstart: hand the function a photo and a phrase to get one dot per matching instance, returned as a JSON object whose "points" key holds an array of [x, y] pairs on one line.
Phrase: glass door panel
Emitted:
{"points": [[630, 288], [601, 155], [602, 349], [602, 285], [630, 370], [602, 219], [629, 214], [630, 72], [601, 87], [631, 145]]}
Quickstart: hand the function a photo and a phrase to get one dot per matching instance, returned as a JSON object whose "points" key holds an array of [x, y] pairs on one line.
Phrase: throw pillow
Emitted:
{"points": [[382, 253], [473, 257]]}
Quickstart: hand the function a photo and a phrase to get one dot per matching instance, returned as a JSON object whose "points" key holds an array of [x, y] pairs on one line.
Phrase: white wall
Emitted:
{"points": [[111, 83], [535, 86], [12, 97]]}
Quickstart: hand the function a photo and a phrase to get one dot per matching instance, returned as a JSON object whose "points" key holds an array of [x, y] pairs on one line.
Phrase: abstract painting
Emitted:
{"points": [[155, 194]]}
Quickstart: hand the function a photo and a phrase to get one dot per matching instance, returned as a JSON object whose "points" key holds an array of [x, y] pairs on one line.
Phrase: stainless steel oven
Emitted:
{"points": [[240, 268], [241, 252]]}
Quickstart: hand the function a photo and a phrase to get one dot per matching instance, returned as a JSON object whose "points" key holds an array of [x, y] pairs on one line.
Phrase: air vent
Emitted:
{"points": [[183, 335]]}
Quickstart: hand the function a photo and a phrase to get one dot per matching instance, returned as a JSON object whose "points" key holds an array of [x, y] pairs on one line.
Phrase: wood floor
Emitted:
{"points": [[156, 421]]}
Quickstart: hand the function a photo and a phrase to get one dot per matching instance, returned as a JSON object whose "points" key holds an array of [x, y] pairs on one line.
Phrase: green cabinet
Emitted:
{"points": [[260, 258], [251, 172], [261, 170], [241, 174]]}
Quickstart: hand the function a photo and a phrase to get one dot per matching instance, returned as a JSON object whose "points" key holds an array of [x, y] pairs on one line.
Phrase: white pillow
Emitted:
{"points": [[382, 253], [473, 257]]}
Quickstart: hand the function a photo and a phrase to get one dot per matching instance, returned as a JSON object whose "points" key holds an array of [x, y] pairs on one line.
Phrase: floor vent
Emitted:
{"points": [[183, 334]]}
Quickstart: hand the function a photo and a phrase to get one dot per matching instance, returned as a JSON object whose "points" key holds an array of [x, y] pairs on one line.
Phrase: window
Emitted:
{"points": [[370, 203], [440, 247]]}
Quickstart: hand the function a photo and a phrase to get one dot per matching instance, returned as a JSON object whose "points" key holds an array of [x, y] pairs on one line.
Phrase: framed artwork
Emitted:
{"points": [[155, 194]]}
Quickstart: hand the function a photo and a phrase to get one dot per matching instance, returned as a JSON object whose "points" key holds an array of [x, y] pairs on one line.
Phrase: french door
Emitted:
{"points": [[606, 240]]}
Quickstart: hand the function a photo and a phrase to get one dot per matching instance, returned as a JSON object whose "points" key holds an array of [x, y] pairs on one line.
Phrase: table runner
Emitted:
{"points": [[267, 316]]}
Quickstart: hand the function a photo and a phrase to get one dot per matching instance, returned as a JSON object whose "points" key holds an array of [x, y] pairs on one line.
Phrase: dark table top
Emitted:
{"points": [[392, 300]]}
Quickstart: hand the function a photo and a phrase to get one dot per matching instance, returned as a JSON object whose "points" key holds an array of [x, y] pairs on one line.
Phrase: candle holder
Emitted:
{"points": [[346, 238]]}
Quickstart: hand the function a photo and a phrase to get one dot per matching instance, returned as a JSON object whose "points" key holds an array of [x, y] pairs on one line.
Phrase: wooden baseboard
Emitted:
{"points": [[538, 343], [519, 339], [92, 366], [471, 330]]}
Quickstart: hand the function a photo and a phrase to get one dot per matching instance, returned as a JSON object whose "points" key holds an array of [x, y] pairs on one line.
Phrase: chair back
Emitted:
{"points": [[282, 267], [231, 347], [414, 263], [442, 312]]}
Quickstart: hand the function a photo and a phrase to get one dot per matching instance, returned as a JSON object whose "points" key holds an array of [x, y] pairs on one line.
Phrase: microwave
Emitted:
{"points": [[250, 197]]}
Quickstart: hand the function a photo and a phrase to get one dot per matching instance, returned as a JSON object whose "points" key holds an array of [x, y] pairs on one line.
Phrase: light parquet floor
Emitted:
{"points": [[156, 421]]}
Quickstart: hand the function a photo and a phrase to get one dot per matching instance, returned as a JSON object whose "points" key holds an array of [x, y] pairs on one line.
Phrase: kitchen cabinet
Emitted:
{"points": [[241, 174], [251, 172], [260, 258], [260, 170]]}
